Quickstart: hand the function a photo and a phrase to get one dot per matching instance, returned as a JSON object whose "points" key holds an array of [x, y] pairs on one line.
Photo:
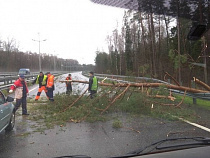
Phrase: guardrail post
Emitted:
{"points": [[193, 86], [169, 80], [5, 82]]}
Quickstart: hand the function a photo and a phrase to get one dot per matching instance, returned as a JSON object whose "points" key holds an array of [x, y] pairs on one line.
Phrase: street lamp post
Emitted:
{"points": [[55, 56], [39, 41]]}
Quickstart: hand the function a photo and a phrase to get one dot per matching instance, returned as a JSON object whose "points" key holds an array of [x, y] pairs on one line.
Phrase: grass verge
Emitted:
{"points": [[200, 102]]}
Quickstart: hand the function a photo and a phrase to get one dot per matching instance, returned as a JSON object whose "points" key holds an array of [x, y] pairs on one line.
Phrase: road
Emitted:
{"points": [[60, 87], [98, 139]]}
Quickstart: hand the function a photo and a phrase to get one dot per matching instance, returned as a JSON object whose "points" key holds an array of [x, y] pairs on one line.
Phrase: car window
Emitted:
{"points": [[2, 98]]}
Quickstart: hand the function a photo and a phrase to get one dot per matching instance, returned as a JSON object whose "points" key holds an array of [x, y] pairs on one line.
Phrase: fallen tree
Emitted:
{"points": [[204, 85], [167, 74], [143, 85], [117, 97]]}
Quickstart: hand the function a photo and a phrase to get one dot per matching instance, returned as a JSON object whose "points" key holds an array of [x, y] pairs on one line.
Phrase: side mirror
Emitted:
{"points": [[196, 32], [9, 99]]}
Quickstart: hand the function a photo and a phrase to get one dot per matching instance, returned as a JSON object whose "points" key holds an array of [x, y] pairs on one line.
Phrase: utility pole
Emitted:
{"points": [[39, 41], [54, 57], [54, 64]]}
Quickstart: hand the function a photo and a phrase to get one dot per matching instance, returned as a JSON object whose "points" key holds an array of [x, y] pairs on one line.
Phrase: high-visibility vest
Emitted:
{"points": [[95, 84], [68, 83], [50, 81], [44, 81]]}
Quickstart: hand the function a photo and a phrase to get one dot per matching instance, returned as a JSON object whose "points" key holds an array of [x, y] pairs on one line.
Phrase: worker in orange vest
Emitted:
{"points": [[50, 86], [68, 84]]}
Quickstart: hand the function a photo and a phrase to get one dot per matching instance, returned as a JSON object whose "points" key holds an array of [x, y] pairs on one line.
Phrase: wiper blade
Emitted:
{"points": [[74, 156], [198, 142]]}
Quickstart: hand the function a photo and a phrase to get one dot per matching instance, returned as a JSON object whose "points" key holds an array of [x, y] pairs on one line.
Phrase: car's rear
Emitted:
{"points": [[7, 115]]}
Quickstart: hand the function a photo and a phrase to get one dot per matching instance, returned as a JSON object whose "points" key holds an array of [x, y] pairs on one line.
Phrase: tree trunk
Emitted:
{"points": [[152, 39], [182, 88]]}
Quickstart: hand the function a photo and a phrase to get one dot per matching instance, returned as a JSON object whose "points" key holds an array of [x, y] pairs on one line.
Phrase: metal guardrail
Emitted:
{"points": [[8, 85], [205, 96], [8, 73], [8, 80], [139, 78]]}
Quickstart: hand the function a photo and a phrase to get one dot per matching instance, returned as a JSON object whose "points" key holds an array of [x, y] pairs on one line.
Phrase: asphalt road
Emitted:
{"points": [[61, 87], [98, 139]]}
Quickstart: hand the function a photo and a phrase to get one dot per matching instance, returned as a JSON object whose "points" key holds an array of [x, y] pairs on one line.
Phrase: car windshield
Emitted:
{"points": [[109, 78], [22, 71]]}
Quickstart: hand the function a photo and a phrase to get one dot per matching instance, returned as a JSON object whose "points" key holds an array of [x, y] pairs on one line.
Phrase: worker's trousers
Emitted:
{"points": [[24, 105], [50, 94], [42, 88]]}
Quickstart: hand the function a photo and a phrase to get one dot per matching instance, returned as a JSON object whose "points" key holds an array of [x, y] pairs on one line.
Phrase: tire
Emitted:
{"points": [[11, 123]]}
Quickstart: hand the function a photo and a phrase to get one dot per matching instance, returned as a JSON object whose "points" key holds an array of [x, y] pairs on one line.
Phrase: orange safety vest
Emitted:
{"points": [[50, 81], [68, 78]]}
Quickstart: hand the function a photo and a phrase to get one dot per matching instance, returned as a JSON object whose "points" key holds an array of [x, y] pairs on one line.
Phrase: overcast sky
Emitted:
{"points": [[74, 29]]}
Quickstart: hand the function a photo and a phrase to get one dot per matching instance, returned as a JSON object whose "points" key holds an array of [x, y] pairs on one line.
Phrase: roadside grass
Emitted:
{"points": [[141, 104], [5, 92], [199, 102], [117, 124], [133, 102]]}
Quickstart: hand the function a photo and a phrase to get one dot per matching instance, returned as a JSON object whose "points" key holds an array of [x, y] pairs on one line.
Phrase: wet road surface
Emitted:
{"points": [[61, 87], [98, 139], [93, 139]]}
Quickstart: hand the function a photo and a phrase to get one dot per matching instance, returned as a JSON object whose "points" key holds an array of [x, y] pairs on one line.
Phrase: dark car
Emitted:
{"points": [[24, 71], [7, 115]]}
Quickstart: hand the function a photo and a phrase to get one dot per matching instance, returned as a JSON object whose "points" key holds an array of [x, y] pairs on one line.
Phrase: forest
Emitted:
{"points": [[11, 60], [154, 43]]}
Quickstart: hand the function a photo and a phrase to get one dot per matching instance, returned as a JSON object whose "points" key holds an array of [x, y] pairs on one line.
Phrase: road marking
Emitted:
{"points": [[32, 89], [194, 124]]}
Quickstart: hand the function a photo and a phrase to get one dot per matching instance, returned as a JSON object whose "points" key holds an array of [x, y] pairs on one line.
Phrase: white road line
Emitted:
{"points": [[32, 89], [196, 125], [193, 124]]}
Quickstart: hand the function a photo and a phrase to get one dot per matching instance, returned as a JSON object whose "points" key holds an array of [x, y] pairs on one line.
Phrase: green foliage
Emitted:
{"points": [[175, 59], [129, 73], [5, 92], [102, 62], [134, 104], [168, 112], [200, 103], [195, 49], [161, 90], [171, 54], [58, 112], [144, 69], [117, 124]]}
